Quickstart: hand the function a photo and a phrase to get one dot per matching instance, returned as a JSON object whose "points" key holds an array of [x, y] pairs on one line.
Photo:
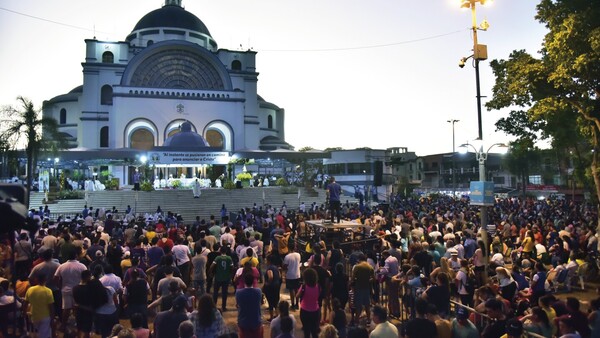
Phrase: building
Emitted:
{"points": [[169, 70]]}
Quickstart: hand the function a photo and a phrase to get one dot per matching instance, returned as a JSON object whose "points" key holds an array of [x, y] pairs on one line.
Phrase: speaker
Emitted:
{"points": [[378, 177]]}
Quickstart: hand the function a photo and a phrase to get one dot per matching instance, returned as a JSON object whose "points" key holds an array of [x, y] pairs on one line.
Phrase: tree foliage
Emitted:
{"points": [[556, 95], [24, 126]]}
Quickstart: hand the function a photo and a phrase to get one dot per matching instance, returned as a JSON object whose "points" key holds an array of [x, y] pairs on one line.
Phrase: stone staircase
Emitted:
{"points": [[180, 201]]}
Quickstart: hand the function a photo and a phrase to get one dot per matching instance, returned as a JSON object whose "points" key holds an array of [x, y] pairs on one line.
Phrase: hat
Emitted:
{"points": [[453, 252], [179, 302], [126, 254], [462, 313], [99, 253], [100, 229], [514, 327]]}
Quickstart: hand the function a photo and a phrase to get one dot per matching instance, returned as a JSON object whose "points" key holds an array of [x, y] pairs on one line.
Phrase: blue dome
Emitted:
{"points": [[186, 138], [172, 16]]}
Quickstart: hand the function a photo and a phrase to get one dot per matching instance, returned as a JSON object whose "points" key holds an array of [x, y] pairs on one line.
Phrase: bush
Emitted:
{"points": [[146, 186], [112, 184], [244, 176], [281, 182], [291, 189], [229, 185], [176, 184]]}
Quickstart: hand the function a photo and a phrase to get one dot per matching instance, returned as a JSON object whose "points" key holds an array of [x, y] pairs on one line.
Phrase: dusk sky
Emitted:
{"points": [[349, 73]]}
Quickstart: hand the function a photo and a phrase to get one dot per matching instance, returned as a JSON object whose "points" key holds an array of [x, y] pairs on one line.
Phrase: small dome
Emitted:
{"points": [[186, 138], [172, 16]]}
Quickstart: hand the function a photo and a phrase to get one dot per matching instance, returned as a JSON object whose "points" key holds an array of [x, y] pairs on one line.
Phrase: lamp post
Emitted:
{"points": [[453, 121], [481, 157], [479, 53]]}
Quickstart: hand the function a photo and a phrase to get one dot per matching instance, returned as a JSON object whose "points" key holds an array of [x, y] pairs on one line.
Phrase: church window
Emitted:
{"points": [[236, 65], [215, 138], [142, 139], [108, 57], [63, 116], [270, 122], [106, 95], [104, 137]]}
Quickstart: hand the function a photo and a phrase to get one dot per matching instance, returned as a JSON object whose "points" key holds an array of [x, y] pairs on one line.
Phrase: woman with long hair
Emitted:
{"points": [[309, 304], [439, 294], [272, 286], [284, 311], [207, 320], [479, 262]]}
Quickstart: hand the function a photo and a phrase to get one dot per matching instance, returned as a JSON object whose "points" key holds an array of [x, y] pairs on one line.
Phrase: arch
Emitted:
{"points": [[270, 121], [104, 137], [108, 57], [141, 139], [236, 65], [139, 124], [219, 134], [63, 116], [173, 127], [106, 95]]}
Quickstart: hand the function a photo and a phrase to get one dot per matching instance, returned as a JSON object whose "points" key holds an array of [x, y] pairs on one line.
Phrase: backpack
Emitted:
{"points": [[471, 283]]}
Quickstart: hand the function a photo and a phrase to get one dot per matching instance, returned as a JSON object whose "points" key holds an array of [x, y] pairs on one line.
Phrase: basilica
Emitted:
{"points": [[168, 72]]}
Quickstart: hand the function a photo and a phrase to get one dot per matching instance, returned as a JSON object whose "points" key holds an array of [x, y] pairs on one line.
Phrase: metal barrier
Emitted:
{"points": [[484, 319]]}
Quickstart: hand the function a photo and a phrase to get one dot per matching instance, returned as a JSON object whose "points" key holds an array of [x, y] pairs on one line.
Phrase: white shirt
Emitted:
{"points": [[70, 274], [181, 253], [292, 260], [112, 280], [228, 237]]}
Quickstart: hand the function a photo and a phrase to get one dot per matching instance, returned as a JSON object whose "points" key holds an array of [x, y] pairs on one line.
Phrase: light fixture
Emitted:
{"points": [[143, 159], [56, 159]]}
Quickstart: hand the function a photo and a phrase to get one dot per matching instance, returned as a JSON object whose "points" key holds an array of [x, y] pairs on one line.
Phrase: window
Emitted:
{"points": [[106, 94], [215, 138], [336, 169], [359, 168], [108, 57], [142, 139], [236, 65], [63, 116], [499, 180], [535, 179], [104, 137]]}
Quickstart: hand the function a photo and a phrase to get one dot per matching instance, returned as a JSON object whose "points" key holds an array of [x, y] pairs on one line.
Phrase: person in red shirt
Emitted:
{"points": [[166, 244]]}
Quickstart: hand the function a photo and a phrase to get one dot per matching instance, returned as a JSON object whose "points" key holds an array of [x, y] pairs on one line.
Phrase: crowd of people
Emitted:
{"points": [[431, 272]]}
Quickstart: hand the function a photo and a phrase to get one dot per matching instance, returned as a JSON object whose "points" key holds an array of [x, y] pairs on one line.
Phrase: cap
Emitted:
{"points": [[462, 313], [514, 327], [453, 252], [100, 229], [99, 253]]}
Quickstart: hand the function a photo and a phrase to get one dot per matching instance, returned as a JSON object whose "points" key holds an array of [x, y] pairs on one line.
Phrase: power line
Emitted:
{"points": [[365, 47], [261, 50]]}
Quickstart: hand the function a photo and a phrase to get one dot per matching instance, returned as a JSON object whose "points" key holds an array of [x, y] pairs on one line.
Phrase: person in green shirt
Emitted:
{"points": [[222, 268]]}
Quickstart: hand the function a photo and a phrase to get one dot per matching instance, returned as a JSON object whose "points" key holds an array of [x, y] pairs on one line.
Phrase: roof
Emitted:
{"points": [[186, 138], [172, 16]]}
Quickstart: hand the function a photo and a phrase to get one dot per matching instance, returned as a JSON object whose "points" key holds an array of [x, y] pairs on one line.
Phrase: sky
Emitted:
{"points": [[349, 73]]}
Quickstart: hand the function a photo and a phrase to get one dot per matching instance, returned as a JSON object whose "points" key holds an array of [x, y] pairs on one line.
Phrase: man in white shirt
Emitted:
{"points": [[228, 238], [383, 328], [182, 256], [112, 280], [291, 265], [68, 275]]}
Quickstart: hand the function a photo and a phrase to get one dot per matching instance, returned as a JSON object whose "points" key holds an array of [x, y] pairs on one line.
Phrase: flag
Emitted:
{"points": [[263, 195], [299, 194]]}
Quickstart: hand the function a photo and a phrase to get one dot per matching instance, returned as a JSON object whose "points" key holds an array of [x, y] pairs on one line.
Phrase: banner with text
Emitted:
{"points": [[184, 158]]}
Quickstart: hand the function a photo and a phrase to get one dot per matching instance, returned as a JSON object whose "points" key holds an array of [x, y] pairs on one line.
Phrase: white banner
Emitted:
{"points": [[187, 157]]}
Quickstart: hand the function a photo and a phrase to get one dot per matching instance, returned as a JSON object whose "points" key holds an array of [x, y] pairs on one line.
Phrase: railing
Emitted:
{"points": [[484, 319]]}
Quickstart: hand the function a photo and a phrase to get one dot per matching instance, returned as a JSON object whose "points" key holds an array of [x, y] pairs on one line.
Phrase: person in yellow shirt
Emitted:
{"points": [[546, 304], [528, 244], [41, 303]]}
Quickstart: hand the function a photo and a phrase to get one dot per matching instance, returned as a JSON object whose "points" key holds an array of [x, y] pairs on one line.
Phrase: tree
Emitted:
{"points": [[560, 90], [521, 159], [26, 127]]}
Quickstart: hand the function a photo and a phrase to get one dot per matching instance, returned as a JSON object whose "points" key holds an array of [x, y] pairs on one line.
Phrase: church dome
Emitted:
{"points": [[186, 138], [174, 16]]}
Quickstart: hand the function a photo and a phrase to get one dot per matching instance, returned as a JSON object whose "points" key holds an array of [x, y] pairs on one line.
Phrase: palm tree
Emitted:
{"points": [[25, 126]]}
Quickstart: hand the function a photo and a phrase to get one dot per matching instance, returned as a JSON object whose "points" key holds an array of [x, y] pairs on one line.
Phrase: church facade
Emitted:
{"points": [[137, 93]]}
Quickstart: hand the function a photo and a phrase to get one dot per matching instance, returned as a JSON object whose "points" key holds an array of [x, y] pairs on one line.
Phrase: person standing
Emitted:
{"points": [[181, 253], [291, 265], [249, 314], [23, 253], [68, 275], [48, 268], [223, 269], [167, 322], [334, 190], [309, 304], [363, 276], [383, 328], [42, 307], [199, 271]]}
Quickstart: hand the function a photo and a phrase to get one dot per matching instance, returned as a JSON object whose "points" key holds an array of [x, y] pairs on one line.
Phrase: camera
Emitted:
{"points": [[461, 63]]}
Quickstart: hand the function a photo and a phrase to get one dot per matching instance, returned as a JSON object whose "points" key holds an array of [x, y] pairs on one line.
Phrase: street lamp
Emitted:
{"points": [[481, 157], [453, 121], [479, 53]]}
